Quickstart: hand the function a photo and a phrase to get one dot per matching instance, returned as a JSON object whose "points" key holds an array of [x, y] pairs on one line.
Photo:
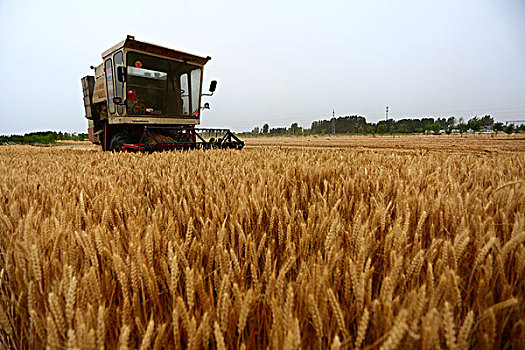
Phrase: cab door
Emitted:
{"points": [[118, 61], [110, 86]]}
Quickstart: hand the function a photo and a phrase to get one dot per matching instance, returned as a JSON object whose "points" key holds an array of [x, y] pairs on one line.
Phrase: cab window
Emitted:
{"points": [[119, 85], [185, 94], [109, 85], [159, 86], [195, 90]]}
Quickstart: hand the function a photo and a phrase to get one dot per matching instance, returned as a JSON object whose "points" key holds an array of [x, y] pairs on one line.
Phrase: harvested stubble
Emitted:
{"points": [[261, 248], [466, 144]]}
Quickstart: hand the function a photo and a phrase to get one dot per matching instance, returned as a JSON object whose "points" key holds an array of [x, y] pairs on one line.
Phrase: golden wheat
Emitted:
{"points": [[268, 247]]}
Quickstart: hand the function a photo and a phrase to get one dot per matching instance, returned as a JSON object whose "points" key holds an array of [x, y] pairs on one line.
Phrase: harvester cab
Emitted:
{"points": [[145, 97]]}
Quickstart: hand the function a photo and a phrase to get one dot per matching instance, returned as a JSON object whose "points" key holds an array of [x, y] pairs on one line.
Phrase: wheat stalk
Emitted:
{"points": [[291, 247]]}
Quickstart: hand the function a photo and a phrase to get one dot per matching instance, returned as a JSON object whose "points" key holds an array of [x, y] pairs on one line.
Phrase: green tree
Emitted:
{"points": [[497, 127], [266, 128], [435, 128], [451, 122], [403, 128], [475, 124], [382, 129], [509, 129], [462, 128], [294, 128], [487, 120]]}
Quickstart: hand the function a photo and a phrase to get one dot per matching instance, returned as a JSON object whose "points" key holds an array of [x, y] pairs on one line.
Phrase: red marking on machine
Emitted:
{"points": [[132, 95]]}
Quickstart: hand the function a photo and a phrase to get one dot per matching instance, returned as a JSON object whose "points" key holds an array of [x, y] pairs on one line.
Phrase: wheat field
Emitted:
{"points": [[280, 248]]}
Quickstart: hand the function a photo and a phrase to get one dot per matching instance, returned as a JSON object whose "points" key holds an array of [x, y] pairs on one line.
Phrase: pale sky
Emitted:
{"points": [[275, 61]]}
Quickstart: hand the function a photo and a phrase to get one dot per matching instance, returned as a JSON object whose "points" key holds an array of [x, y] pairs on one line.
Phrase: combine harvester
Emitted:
{"points": [[146, 98]]}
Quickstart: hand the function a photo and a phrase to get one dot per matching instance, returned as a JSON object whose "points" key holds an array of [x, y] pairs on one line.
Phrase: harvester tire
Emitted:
{"points": [[117, 142]]}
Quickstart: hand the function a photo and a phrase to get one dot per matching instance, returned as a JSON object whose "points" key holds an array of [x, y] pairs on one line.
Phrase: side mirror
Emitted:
{"points": [[118, 100], [213, 85], [121, 74]]}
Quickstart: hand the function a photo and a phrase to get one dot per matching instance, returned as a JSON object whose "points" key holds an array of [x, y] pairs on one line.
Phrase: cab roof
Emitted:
{"points": [[131, 43]]}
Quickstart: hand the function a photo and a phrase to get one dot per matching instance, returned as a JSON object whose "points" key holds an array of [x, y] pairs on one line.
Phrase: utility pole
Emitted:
{"points": [[333, 121], [386, 118]]}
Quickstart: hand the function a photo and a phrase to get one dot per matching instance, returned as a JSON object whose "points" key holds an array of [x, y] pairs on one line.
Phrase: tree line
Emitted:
{"points": [[358, 125], [45, 137]]}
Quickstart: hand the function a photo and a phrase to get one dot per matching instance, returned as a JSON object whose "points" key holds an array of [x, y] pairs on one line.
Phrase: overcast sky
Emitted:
{"points": [[275, 61]]}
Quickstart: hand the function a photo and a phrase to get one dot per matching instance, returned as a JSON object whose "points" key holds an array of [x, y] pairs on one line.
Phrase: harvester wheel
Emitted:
{"points": [[117, 142]]}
